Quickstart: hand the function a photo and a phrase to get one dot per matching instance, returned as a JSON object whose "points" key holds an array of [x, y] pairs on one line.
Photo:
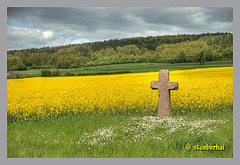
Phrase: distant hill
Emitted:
{"points": [[154, 49]]}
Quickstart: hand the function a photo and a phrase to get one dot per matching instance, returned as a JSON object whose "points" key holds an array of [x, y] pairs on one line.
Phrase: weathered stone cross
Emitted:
{"points": [[164, 86]]}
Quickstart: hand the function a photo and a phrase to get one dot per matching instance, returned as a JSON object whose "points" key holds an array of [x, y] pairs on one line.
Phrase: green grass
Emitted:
{"points": [[131, 68], [122, 136]]}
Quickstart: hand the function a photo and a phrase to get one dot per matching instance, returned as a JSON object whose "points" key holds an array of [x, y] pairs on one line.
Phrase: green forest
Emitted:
{"points": [[153, 49]]}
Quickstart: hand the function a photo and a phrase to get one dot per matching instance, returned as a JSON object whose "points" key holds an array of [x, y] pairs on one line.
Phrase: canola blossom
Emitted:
{"points": [[36, 98]]}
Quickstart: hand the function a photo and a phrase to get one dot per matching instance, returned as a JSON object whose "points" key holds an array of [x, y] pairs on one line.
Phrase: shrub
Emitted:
{"points": [[55, 72], [50, 73], [12, 75], [18, 74], [45, 73]]}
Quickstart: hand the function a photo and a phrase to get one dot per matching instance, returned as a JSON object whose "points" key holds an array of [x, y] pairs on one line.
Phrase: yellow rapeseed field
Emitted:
{"points": [[37, 98]]}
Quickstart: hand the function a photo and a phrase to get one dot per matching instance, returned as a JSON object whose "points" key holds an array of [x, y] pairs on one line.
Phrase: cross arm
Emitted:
{"points": [[155, 85], [172, 85]]}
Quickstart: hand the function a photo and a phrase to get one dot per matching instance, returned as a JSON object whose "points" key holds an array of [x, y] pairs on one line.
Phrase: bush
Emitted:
{"points": [[18, 74], [12, 75], [55, 72], [45, 73], [50, 73]]}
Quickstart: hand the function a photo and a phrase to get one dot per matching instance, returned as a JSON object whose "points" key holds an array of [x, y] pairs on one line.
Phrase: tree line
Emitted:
{"points": [[161, 49]]}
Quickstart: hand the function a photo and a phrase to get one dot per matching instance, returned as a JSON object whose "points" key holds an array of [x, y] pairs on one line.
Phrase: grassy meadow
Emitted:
{"points": [[122, 136], [115, 115], [131, 68]]}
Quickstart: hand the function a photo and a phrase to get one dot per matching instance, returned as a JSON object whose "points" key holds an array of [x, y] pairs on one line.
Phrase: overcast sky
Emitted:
{"points": [[40, 27]]}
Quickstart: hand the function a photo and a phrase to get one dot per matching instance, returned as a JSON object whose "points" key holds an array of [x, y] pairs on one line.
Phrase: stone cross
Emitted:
{"points": [[164, 86]]}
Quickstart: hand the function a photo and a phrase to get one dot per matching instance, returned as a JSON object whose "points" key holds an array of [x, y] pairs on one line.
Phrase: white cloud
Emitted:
{"points": [[26, 33], [47, 34], [23, 38]]}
